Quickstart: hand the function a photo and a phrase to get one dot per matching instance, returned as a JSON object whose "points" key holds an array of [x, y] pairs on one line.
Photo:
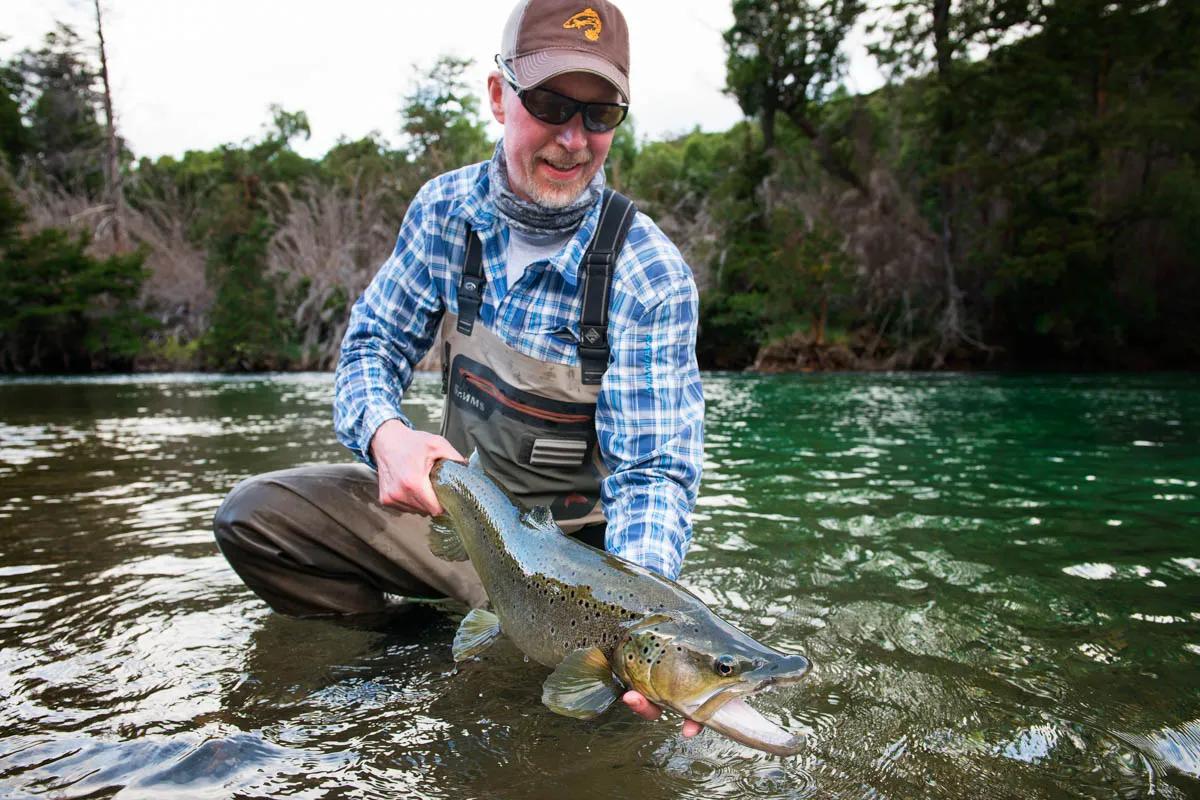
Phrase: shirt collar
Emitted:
{"points": [[476, 208]]}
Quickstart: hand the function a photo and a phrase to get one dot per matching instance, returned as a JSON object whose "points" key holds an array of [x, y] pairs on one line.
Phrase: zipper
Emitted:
{"points": [[489, 388]]}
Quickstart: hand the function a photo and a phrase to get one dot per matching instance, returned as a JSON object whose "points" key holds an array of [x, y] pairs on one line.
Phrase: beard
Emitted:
{"points": [[552, 193]]}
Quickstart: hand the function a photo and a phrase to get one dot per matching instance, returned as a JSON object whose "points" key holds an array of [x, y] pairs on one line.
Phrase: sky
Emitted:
{"points": [[195, 75]]}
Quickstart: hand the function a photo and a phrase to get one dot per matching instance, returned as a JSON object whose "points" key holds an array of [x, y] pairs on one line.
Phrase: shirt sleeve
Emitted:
{"points": [[392, 326], [650, 422]]}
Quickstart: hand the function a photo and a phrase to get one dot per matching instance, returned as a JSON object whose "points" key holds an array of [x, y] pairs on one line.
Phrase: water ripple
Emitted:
{"points": [[993, 575]]}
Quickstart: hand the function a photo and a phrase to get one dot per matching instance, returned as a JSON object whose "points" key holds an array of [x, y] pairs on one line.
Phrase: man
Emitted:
{"points": [[567, 326]]}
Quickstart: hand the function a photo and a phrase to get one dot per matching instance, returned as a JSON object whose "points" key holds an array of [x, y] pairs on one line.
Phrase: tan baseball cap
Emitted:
{"points": [[544, 38]]}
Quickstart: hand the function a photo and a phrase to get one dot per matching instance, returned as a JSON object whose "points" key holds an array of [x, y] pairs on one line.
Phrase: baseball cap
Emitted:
{"points": [[544, 38]]}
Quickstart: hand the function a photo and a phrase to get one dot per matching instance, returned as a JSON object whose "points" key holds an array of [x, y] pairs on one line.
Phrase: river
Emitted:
{"points": [[997, 578]]}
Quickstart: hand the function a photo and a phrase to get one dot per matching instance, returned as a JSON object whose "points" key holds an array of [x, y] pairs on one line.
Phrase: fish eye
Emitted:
{"points": [[725, 665]]}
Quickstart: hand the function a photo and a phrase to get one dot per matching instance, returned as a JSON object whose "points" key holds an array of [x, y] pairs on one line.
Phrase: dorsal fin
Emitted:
{"points": [[540, 518]]}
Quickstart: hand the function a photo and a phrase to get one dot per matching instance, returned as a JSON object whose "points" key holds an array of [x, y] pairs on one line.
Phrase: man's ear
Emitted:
{"points": [[495, 87]]}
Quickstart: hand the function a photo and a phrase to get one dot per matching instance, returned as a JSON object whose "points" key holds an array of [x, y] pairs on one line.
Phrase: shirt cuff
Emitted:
{"points": [[664, 564], [375, 415]]}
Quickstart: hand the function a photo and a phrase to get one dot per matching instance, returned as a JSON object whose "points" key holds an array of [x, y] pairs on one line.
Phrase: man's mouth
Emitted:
{"points": [[562, 170]]}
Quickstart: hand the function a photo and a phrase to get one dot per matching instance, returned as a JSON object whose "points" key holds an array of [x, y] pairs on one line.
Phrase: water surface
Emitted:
{"points": [[997, 578]]}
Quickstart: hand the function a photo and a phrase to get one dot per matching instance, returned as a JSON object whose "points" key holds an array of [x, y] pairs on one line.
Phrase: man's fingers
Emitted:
{"points": [[638, 703], [391, 501], [444, 449], [432, 506]]}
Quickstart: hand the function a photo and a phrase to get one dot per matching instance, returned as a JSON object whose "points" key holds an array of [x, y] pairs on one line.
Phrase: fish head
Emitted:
{"points": [[704, 669]]}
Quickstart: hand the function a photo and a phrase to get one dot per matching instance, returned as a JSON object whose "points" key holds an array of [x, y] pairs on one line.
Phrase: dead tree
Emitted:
{"points": [[112, 165]]}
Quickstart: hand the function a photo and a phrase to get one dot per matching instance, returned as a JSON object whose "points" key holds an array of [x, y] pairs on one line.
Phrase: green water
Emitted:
{"points": [[996, 577]]}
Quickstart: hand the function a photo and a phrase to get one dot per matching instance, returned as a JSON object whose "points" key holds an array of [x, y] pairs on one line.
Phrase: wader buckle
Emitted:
{"points": [[471, 287]]}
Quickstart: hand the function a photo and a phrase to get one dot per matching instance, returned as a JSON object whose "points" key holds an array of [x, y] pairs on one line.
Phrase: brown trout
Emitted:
{"points": [[600, 621]]}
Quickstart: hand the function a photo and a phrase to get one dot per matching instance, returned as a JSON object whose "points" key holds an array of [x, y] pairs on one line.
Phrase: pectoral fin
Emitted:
{"points": [[581, 686], [445, 543], [475, 634]]}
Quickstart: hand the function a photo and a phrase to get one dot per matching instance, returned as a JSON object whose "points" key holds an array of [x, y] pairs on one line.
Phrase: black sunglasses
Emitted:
{"points": [[555, 109]]}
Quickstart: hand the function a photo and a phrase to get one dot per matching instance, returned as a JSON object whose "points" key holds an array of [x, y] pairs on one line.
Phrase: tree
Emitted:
{"points": [[813, 270], [61, 105], [112, 164], [440, 118], [61, 309], [784, 57], [930, 37], [249, 327], [15, 140]]}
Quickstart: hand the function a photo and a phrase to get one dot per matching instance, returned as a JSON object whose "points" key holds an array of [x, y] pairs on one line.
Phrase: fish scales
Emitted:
{"points": [[581, 596]]}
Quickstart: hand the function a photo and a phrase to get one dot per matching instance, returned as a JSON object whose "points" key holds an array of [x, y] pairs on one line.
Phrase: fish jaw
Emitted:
{"points": [[727, 712], [740, 722]]}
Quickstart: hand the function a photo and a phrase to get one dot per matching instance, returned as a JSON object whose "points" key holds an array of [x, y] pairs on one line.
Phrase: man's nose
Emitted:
{"points": [[571, 134]]}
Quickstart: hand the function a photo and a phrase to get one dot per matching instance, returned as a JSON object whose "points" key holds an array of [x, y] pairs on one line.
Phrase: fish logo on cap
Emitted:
{"points": [[588, 21]]}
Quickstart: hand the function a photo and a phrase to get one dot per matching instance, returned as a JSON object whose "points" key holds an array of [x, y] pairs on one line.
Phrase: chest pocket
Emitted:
{"points": [[537, 431]]}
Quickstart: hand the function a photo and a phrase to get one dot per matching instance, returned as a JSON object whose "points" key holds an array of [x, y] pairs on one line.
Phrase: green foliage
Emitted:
{"points": [[922, 36], [61, 105], [15, 138], [679, 176], [809, 271], [247, 332], [731, 329], [1081, 134], [172, 353], [786, 55], [440, 118], [1035, 173], [365, 163], [622, 155], [61, 309]]}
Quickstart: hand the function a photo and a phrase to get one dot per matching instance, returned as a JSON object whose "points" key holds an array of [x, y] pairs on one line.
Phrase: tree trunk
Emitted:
{"points": [[825, 153], [768, 126], [952, 331], [819, 320], [112, 167]]}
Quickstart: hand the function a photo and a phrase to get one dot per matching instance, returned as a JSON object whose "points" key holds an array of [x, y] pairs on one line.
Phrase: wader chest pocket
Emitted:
{"points": [[544, 452], [483, 394]]}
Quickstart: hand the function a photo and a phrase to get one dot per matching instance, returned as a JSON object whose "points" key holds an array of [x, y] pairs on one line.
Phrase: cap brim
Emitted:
{"points": [[536, 68]]}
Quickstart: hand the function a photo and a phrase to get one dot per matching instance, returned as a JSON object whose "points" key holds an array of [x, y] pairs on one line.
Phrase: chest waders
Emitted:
{"points": [[533, 422], [315, 540]]}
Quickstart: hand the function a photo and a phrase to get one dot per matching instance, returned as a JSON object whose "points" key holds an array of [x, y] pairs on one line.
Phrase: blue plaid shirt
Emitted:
{"points": [[650, 412]]}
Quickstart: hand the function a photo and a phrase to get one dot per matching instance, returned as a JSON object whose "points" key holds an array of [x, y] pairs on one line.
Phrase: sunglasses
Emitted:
{"points": [[555, 109]]}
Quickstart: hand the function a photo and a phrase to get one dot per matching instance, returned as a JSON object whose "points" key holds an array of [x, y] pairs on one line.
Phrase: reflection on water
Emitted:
{"points": [[995, 576]]}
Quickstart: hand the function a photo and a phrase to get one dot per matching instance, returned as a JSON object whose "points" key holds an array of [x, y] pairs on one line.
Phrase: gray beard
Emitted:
{"points": [[532, 218]]}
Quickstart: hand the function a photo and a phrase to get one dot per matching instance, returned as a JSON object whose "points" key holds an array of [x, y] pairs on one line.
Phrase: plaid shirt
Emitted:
{"points": [[650, 412]]}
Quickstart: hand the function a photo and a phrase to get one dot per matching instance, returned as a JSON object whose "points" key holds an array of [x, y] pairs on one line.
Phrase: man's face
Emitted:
{"points": [[551, 165]]}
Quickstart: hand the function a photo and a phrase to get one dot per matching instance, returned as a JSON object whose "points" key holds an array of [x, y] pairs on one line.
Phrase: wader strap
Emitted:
{"points": [[471, 285], [616, 215]]}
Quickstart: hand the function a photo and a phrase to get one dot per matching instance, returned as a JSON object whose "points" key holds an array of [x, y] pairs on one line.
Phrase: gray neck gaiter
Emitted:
{"points": [[533, 219]]}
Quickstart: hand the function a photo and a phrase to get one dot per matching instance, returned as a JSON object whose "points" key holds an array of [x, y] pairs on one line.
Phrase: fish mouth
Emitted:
{"points": [[727, 712]]}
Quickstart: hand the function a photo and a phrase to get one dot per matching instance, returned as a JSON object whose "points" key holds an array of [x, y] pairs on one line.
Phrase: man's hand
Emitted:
{"points": [[647, 710], [404, 458]]}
